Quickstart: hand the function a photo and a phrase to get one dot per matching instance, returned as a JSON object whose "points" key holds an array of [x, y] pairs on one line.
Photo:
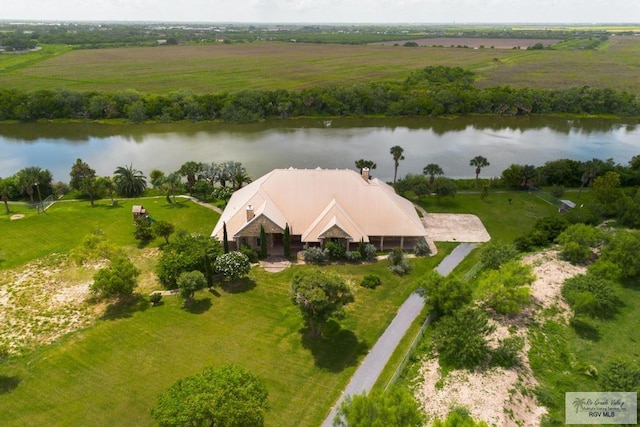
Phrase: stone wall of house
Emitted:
{"points": [[335, 232], [253, 229]]}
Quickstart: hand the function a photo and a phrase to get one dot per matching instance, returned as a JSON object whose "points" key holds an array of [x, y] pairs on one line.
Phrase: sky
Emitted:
{"points": [[327, 11]]}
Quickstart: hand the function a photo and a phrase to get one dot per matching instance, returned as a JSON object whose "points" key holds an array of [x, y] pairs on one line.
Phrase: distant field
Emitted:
{"points": [[269, 66]]}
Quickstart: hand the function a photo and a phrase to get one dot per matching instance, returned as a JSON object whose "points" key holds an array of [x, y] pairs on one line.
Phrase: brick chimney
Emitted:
{"points": [[250, 213], [365, 174]]}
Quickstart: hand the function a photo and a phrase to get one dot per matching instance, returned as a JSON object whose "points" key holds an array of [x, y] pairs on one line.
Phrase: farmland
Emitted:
{"points": [[294, 66]]}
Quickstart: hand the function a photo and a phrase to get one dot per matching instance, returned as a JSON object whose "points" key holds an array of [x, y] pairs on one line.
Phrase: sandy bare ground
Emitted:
{"points": [[500, 396], [48, 298], [43, 300]]}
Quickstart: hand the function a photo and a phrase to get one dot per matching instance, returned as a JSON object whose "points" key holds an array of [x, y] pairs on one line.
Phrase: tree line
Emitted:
{"points": [[432, 91], [204, 180]]}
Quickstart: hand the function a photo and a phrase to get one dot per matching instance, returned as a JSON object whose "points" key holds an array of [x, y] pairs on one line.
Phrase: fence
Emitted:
{"points": [[546, 196], [45, 204], [409, 352]]}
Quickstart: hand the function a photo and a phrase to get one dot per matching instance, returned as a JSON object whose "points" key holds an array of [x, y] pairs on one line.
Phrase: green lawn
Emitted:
{"points": [[111, 373], [64, 225], [504, 220]]}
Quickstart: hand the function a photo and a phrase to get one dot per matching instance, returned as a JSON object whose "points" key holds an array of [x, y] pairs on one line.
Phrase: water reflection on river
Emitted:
{"points": [[312, 143]]}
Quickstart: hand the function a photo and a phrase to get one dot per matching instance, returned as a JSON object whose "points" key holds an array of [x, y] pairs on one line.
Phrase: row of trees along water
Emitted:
{"points": [[432, 91]]}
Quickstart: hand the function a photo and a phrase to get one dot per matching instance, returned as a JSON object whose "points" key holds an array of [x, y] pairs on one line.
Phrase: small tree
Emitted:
{"points": [[190, 282], [445, 295], [432, 169], [233, 265], [228, 396], [577, 241], [444, 187], [286, 241], [319, 296], [460, 339], [495, 254], [392, 408], [225, 238], [506, 290], [163, 229], [119, 279], [263, 243], [143, 231]]}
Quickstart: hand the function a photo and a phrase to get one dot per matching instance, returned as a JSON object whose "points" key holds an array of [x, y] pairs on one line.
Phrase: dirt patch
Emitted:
{"points": [[42, 301], [16, 216], [500, 397], [550, 273], [455, 228]]}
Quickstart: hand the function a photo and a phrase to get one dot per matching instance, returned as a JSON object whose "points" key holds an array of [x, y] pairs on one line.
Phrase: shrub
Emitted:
{"points": [[353, 256], [155, 298], [370, 252], [505, 290], [445, 295], [460, 338], [118, 279], [422, 249], [577, 240], [370, 281], [314, 255], [397, 262], [495, 254], [250, 253], [335, 250], [233, 265], [591, 295], [620, 376], [506, 355]]}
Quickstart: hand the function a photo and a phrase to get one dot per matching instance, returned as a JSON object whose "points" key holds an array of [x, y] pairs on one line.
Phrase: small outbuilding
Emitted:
{"points": [[139, 212], [565, 205]]}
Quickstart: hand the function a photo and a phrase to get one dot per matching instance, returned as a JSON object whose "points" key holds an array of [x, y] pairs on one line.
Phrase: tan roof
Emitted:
{"points": [[313, 201]]}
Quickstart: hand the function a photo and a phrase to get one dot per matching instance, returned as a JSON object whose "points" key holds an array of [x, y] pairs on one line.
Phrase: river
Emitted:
{"points": [[311, 143]]}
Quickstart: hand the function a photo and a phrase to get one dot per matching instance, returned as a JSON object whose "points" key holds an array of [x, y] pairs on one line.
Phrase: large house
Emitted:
{"points": [[320, 205]]}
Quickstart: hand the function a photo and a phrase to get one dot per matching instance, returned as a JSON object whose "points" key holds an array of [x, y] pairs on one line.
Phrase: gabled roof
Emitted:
{"points": [[313, 200], [333, 215]]}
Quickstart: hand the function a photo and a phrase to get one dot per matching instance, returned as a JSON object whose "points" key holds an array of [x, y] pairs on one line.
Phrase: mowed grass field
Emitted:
{"points": [[270, 66], [112, 372], [65, 224]]}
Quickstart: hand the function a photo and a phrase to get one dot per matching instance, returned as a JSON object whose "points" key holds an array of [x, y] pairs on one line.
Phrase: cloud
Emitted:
{"points": [[318, 11]]}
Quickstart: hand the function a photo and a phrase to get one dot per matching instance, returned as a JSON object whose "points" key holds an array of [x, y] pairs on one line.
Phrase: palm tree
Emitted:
{"points": [[171, 183], [432, 170], [191, 170], [396, 151], [237, 174], [479, 162], [362, 163], [108, 184], [130, 182]]}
